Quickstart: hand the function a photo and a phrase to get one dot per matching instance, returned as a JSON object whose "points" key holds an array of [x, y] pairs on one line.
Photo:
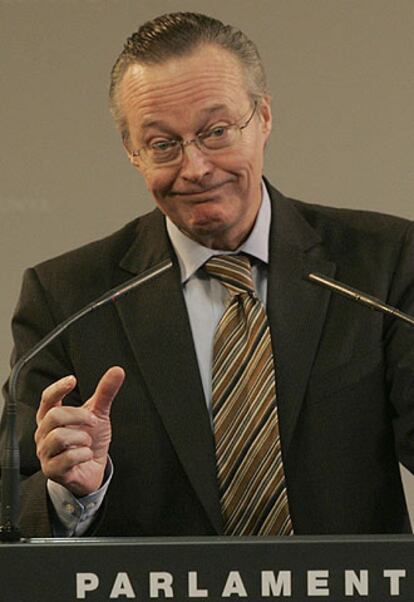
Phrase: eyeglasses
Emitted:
{"points": [[165, 153]]}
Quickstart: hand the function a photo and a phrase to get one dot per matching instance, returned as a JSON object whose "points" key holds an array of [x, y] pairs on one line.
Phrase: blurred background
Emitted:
{"points": [[341, 73]]}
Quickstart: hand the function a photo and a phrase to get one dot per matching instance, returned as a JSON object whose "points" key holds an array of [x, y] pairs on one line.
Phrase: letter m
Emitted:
{"points": [[282, 586]]}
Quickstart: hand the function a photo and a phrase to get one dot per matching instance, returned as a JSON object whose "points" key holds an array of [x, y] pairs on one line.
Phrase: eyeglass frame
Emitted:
{"points": [[197, 140]]}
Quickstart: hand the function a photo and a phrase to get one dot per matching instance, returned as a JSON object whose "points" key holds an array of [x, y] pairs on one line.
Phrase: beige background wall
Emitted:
{"points": [[342, 77]]}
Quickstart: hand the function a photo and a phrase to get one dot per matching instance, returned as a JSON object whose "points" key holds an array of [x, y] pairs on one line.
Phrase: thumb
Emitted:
{"points": [[106, 390]]}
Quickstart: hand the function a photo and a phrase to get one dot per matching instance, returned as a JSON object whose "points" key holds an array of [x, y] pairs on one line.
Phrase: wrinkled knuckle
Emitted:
{"points": [[53, 416], [37, 437], [41, 451], [44, 464], [55, 442], [47, 393], [38, 417], [71, 456], [86, 439], [52, 469]]}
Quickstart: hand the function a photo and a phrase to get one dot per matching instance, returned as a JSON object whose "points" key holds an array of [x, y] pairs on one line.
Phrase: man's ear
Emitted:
{"points": [[265, 114], [126, 144]]}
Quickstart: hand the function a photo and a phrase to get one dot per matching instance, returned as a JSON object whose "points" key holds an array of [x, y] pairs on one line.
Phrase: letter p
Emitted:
{"points": [[85, 582]]}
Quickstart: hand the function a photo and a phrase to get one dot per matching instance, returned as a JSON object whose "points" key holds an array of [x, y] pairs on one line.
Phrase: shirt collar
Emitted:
{"points": [[191, 255]]}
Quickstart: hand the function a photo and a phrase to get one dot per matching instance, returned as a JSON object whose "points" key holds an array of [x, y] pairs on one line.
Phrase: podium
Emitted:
{"points": [[374, 568]]}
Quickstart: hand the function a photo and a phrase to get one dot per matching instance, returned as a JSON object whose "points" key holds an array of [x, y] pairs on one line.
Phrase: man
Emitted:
{"points": [[189, 97]]}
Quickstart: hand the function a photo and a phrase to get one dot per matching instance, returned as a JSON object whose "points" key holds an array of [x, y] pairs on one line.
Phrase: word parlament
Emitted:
{"points": [[268, 584]]}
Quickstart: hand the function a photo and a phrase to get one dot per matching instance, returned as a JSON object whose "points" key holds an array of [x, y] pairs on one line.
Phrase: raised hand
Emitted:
{"points": [[72, 442]]}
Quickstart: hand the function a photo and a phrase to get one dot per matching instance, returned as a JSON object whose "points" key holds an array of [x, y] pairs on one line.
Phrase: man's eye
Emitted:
{"points": [[163, 145], [217, 132]]}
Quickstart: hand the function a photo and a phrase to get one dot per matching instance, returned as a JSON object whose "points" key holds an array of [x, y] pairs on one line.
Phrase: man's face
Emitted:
{"points": [[212, 197]]}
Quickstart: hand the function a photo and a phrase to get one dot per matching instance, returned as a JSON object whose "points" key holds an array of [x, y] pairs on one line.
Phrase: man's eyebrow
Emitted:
{"points": [[149, 123], [215, 108]]}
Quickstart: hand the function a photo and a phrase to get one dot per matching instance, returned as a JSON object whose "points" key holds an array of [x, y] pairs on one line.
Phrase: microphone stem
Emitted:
{"points": [[359, 297], [9, 531]]}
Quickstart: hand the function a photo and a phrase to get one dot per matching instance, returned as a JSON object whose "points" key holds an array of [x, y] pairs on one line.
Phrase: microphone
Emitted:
{"points": [[359, 297], [9, 530]]}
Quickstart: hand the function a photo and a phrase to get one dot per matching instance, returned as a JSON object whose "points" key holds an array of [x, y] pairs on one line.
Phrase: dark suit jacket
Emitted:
{"points": [[345, 377]]}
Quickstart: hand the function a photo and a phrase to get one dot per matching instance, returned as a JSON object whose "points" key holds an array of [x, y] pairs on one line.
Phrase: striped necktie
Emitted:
{"points": [[246, 430]]}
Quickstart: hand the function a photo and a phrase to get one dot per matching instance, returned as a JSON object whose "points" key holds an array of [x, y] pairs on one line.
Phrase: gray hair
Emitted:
{"points": [[177, 34]]}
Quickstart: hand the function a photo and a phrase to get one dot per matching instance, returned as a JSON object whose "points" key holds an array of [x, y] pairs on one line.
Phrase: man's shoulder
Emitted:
{"points": [[363, 219], [330, 221], [94, 267], [107, 250]]}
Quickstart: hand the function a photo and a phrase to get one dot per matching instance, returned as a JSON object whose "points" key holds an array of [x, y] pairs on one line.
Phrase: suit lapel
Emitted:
{"points": [[155, 320], [296, 307]]}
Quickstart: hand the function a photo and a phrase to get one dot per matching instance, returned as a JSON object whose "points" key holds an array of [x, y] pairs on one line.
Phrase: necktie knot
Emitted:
{"points": [[233, 271]]}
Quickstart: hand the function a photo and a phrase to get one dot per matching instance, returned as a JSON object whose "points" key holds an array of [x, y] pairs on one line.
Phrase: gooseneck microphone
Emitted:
{"points": [[9, 530], [359, 297]]}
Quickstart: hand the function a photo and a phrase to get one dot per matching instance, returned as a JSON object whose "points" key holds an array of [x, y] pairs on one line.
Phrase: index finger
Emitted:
{"points": [[54, 394]]}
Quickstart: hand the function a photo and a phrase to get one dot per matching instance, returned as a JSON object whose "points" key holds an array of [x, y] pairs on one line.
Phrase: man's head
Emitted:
{"points": [[178, 34], [189, 97]]}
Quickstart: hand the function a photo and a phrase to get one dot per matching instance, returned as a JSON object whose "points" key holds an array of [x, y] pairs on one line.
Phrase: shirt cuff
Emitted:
{"points": [[73, 516]]}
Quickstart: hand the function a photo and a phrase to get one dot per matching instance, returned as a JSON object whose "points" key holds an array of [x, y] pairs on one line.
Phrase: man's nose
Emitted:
{"points": [[195, 163]]}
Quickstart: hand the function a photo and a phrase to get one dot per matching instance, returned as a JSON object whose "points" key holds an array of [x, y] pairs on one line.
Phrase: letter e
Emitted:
{"points": [[318, 583]]}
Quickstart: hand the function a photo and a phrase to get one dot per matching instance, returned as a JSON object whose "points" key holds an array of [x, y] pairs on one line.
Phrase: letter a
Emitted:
{"points": [[234, 585], [122, 587]]}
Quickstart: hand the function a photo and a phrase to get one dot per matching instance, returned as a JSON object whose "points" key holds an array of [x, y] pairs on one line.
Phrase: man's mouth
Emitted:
{"points": [[198, 193]]}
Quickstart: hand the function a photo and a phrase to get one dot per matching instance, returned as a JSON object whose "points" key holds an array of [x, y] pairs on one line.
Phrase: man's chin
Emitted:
{"points": [[206, 216], [203, 231], [215, 234]]}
